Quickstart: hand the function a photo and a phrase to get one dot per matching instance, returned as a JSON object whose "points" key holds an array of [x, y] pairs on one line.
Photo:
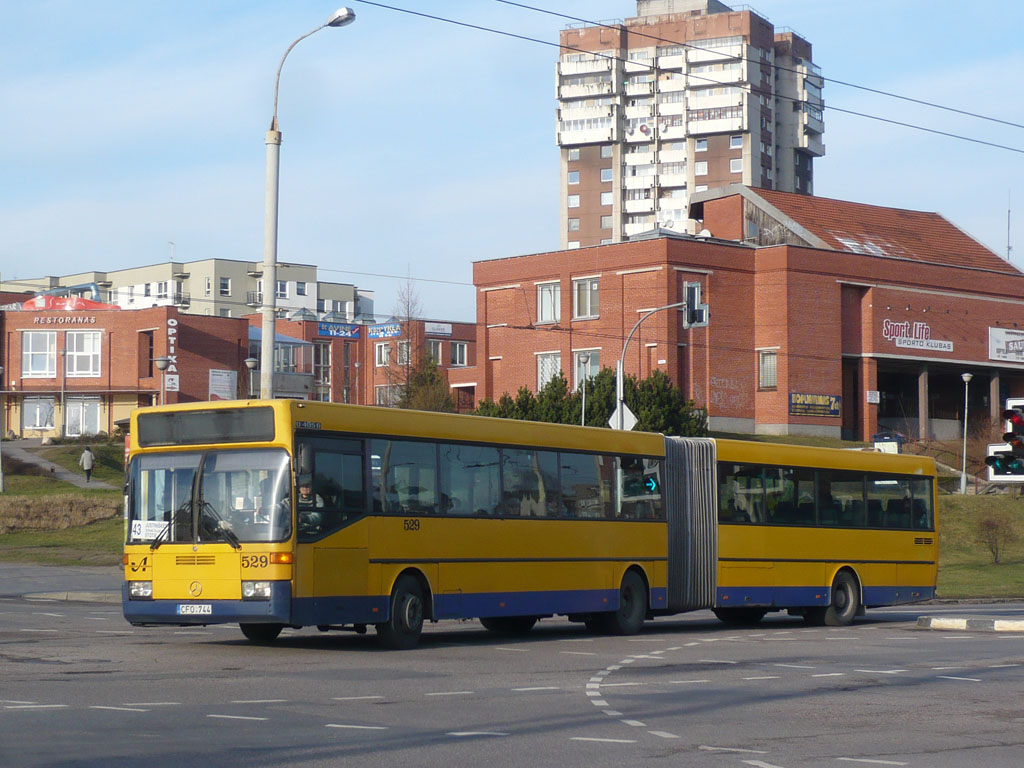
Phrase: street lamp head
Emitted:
{"points": [[250, 363], [967, 377], [161, 362], [341, 17]]}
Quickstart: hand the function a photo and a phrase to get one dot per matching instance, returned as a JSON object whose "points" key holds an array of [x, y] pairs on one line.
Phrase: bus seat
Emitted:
{"points": [[920, 513], [783, 512], [805, 512], [874, 513]]}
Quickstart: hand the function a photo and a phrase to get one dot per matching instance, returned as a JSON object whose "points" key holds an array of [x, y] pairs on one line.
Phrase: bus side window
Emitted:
{"points": [[470, 480], [586, 485], [529, 483], [407, 481]]}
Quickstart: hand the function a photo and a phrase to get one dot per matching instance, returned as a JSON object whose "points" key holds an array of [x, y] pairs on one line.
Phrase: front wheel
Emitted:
{"points": [[843, 606], [261, 633], [632, 611], [402, 629]]}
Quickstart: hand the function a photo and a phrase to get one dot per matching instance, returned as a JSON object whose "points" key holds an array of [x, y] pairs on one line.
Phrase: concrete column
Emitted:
{"points": [[924, 427], [869, 415], [995, 403]]}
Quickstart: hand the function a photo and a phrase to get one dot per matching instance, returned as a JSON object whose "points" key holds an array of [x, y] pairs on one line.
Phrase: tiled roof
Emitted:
{"points": [[895, 232]]}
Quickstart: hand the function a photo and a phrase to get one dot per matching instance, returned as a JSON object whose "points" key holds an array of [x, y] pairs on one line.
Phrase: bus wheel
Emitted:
{"points": [[740, 617], [402, 630], [844, 605], [509, 625], [261, 633], [628, 619]]}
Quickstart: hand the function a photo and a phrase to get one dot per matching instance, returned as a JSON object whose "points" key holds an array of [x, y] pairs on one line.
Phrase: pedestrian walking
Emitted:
{"points": [[86, 460]]}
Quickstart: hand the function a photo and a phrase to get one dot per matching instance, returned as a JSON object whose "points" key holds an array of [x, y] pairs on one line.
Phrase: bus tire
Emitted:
{"points": [[509, 625], [402, 629], [632, 610], [843, 606], [740, 617], [261, 633]]}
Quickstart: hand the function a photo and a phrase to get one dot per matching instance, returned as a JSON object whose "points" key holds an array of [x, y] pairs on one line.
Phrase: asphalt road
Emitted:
{"points": [[80, 687]]}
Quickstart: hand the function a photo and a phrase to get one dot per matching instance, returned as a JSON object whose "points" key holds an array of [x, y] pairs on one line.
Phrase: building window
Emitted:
{"points": [[574, 154], [404, 352], [574, 177], [300, 289], [701, 168], [700, 145], [161, 290], [574, 201], [82, 353], [607, 241], [146, 290], [388, 395], [83, 416], [322, 370], [735, 142], [434, 350], [282, 289], [209, 286], [586, 365], [225, 312], [37, 413], [39, 355], [383, 350], [606, 150], [458, 353], [701, 188], [767, 369], [585, 298], [606, 222], [606, 174], [736, 165], [572, 245], [574, 225], [549, 303], [549, 365], [225, 286], [607, 198]]}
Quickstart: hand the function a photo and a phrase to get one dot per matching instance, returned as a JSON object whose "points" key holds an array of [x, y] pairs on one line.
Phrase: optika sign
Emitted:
{"points": [[913, 336]]}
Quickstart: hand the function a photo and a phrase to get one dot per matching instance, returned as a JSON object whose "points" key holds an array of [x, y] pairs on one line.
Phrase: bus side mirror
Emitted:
{"points": [[304, 460]]}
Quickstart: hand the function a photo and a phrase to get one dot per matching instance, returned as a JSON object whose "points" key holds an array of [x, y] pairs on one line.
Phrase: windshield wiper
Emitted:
{"points": [[220, 527], [186, 507]]}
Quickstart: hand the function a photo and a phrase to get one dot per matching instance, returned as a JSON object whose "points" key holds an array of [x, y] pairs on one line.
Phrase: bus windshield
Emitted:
{"points": [[241, 496]]}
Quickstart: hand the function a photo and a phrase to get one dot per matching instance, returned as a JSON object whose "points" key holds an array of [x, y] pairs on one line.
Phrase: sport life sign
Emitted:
{"points": [[913, 336], [1006, 344], [815, 405]]}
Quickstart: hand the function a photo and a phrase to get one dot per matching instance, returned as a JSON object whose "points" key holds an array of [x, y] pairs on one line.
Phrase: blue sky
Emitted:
{"points": [[412, 147]]}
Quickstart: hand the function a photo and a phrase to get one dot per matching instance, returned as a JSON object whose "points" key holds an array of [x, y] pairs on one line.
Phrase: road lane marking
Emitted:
{"points": [[621, 685], [450, 693], [732, 749], [357, 727], [37, 706], [54, 615], [866, 760], [964, 679], [943, 669], [761, 764], [13, 701], [120, 709], [355, 698], [578, 653], [464, 734], [663, 734], [538, 688], [235, 717], [513, 650], [603, 741], [259, 701], [830, 674], [152, 704], [715, 661], [1002, 666], [687, 682], [38, 630], [794, 666], [880, 671], [635, 723], [761, 677]]}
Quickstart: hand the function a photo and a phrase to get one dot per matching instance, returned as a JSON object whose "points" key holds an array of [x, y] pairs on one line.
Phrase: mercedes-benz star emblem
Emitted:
{"points": [[195, 589]]}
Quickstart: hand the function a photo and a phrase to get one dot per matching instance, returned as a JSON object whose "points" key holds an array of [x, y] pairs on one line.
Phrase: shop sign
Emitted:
{"points": [[814, 405], [1006, 344], [385, 331], [223, 384], [437, 329], [338, 330], [913, 336], [171, 380], [64, 320]]}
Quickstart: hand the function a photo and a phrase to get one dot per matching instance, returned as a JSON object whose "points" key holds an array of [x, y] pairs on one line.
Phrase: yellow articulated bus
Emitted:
{"points": [[284, 513]]}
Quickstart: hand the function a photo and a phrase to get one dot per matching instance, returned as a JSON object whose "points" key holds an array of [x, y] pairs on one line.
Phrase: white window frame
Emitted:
{"points": [[224, 286], [404, 353], [382, 354], [735, 142], [607, 198], [548, 366], [736, 165], [573, 154], [161, 289], [700, 168], [549, 302], [574, 224], [607, 222], [574, 177], [606, 175], [82, 362], [434, 349], [593, 365], [700, 145], [458, 353], [573, 201], [768, 369], [282, 289], [31, 406], [39, 354], [606, 150], [209, 286], [300, 288], [572, 245], [589, 288]]}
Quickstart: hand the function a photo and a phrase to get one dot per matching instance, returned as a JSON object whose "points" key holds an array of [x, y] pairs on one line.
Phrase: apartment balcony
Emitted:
{"points": [[671, 133], [672, 108], [812, 121], [711, 102], [181, 299], [638, 182], [254, 298], [639, 89], [673, 156], [568, 111], [592, 136], [600, 64], [672, 85], [640, 135], [638, 158], [638, 113], [638, 67], [723, 125], [698, 55], [592, 90], [676, 61], [636, 229], [255, 270], [638, 206], [812, 143], [672, 180]]}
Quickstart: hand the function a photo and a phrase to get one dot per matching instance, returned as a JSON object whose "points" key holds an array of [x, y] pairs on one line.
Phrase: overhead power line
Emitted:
{"points": [[748, 88]]}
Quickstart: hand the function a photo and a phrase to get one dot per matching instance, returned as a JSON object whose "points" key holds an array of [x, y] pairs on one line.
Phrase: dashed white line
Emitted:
{"points": [[512, 650], [761, 764], [38, 630], [715, 661], [54, 615], [12, 701], [943, 669], [476, 733], [794, 666], [830, 674], [259, 701], [762, 677], [36, 706], [621, 685], [537, 688], [1002, 666], [450, 693], [880, 671], [235, 717], [578, 653], [356, 698], [603, 741], [732, 749], [120, 709], [687, 682], [867, 760], [152, 704], [635, 723], [357, 727], [663, 734], [963, 679]]}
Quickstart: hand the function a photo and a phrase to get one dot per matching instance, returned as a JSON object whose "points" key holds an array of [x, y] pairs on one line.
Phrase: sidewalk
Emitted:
{"points": [[25, 450], [972, 624], [87, 584]]}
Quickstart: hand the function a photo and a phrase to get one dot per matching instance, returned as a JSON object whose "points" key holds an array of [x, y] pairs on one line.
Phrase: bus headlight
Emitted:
{"points": [[140, 589], [255, 590]]}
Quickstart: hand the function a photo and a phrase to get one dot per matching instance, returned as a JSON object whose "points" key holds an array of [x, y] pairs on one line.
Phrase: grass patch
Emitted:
{"points": [[108, 466], [98, 543], [966, 569]]}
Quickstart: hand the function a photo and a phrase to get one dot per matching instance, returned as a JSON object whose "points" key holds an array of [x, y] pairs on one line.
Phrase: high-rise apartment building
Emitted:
{"points": [[688, 96]]}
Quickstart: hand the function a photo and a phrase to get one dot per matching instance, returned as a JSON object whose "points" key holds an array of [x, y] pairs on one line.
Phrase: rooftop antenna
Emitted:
{"points": [[1009, 207], [170, 243]]}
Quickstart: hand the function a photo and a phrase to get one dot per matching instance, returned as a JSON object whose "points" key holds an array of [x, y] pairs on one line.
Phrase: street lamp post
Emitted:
{"points": [[963, 468], [161, 363], [584, 361], [339, 18], [250, 366], [619, 409]]}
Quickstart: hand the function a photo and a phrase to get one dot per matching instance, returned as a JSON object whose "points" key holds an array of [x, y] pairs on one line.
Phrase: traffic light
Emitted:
{"points": [[696, 311], [1011, 462]]}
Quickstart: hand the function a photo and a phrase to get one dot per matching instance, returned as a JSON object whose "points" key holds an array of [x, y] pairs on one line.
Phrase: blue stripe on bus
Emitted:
{"points": [[786, 597], [274, 610], [340, 609]]}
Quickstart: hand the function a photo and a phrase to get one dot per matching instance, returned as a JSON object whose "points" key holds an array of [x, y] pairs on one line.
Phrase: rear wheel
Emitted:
{"points": [[740, 617], [509, 625], [402, 629], [261, 633], [843, 607]]}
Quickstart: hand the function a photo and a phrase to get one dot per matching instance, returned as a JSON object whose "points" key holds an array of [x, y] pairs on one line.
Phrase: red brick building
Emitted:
{"points": [[826, 317]]}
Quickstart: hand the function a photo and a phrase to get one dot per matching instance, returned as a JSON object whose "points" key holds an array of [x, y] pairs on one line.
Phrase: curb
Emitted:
{"points": [[975, 625], [77, 597]]}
